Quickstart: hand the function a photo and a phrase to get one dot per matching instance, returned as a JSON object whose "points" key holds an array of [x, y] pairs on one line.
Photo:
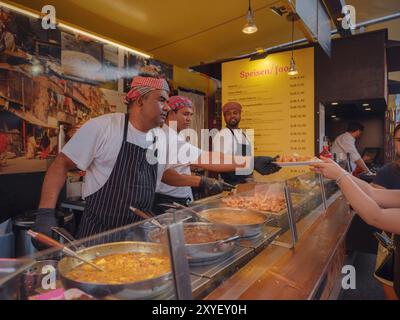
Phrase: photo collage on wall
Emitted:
{"points": [[138, 65], [52, 80]]}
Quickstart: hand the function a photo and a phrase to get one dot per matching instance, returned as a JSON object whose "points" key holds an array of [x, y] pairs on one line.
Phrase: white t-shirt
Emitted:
{"points": [[95, 148], [343, 144], [182, 165]]}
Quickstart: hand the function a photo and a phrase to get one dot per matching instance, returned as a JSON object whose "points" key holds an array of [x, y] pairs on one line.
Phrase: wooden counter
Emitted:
{"points": [[308, 271]]}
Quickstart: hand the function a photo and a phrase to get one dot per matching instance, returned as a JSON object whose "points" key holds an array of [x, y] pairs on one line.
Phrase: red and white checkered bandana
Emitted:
{"points": [[142, 85], [179, 102], [231, 106]]}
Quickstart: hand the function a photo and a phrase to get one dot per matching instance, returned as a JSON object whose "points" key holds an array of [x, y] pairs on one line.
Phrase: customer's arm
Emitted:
{"points": [[385, 219], [364, 186], [368, 209], [383, 197]]}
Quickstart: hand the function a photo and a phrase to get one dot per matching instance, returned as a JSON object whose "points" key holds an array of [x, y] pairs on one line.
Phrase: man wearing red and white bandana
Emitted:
{"points": [[235, 141], [179, 118], [112, 150]]}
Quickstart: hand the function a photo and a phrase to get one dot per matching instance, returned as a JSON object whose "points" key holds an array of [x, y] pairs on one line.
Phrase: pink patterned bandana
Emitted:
{"points": [[179, 102], [142, 85]]}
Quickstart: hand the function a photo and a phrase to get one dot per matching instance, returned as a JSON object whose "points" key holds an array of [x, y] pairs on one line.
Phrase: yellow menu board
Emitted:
{"points": [[278, 107]]}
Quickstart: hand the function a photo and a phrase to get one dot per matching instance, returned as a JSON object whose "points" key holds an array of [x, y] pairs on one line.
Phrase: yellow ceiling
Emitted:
{"points": [[188, 32]]}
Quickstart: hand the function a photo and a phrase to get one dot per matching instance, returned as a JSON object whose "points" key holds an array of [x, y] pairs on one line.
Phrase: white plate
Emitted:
{"points": [[296, 164]]}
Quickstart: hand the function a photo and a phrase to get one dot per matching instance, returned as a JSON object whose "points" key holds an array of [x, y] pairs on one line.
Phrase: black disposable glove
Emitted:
{"points": [[45, 219], [211, 186], [264, 165]]}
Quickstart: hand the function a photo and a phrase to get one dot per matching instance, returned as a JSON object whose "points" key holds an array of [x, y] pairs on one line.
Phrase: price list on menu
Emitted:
{"points": [[278, 109], [298, 115]]}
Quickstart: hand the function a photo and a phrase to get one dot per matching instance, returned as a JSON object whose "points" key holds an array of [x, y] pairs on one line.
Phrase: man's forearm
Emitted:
{"points": [[173, 178], [219, 162], [362, 165], [54, 181]]}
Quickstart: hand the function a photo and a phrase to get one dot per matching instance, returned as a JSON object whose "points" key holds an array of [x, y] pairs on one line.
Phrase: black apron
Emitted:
{"points": [[132, 183], [241, 150]]}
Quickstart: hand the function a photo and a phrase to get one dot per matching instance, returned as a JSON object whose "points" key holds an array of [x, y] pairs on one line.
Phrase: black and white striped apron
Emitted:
{"points": [[132, 183], [242, 149]]}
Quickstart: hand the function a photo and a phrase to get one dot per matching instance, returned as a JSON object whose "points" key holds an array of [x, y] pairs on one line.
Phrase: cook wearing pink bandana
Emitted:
{"points": [[181, 112], [147, 102]]}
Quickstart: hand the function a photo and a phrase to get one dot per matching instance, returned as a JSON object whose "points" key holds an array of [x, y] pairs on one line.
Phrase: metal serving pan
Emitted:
{"points": [[198, 253], [244, 230], [145, 289]]}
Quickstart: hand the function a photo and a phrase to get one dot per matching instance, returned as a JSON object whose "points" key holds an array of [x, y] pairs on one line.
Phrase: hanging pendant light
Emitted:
{"points": [[293, 68], [250, 26]]}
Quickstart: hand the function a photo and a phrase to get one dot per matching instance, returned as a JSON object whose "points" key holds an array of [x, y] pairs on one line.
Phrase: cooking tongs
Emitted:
{"points": [[145, 216], [42, 238], [228, 186]]}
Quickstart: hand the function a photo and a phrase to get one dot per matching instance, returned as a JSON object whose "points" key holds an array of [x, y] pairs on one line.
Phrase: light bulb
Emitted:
{"points": [[293, 69], [250, 26]]}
